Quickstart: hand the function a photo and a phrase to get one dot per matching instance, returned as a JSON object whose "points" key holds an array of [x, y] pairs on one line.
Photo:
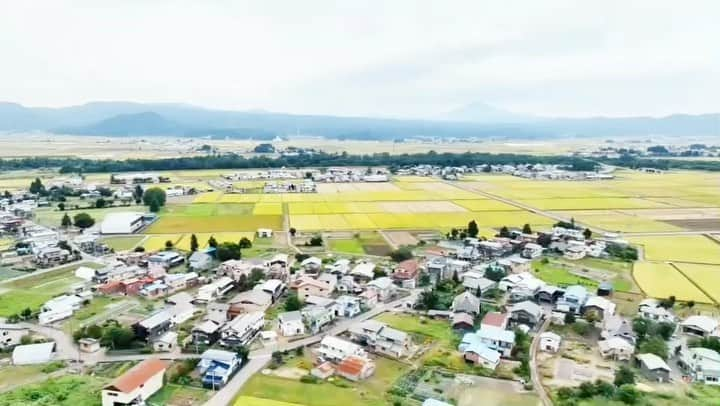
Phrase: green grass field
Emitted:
{"points": [[122, 243], [64, 391], [349, 246], [564, 273]]}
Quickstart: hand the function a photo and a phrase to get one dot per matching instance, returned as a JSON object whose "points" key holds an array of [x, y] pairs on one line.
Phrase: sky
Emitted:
{"points": [[396, 58]]}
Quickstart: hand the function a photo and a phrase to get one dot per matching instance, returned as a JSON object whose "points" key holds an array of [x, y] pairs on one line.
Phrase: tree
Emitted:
{"points": [[624, 376], [100, 203], [61, 206], [117, 337], [655, 345], [527, 229], [569, 318], [641, 327], [424, 279], [212, 242], [628, 394], [665, 330], [227, 251], [193, 243], [544, 240], [242, 352], [379, 273], [154, 194], [245, 243], [154, 207], [139, 249], [429, 299], [472, 229], [690, 304], [401, 254], [504, 232], [66, 222], [26, 313], [83, 220], [293, 231], [138, 194], [495, 273], [37, 187], [168, 245], [587, 233], [668, 303], [454, 233], [292, 303]]}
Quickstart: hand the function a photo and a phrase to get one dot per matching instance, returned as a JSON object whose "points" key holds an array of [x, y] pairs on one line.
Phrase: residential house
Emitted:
{"points": [[179, 281], [392, 343], [617, 326], [653, 367], [59, 308], [307, 286], [242, 329], [364, 271], [150, 328], [573, 300], [599, 307], [316, 317], [355, 368], [366, 331], [702, 326], [406, 274], [549, 342], [165, 260], [532, 251], [216, 367], [702, 364], [549, 294], [273, 287], [495, 319], [347, 284], [616, 348], [348, 306], [369, 298], [514, 264], [166, 342], [438, 269], [650, 309], [206, 332], [475, 350], [435, 402], [462, 321], [466, 302], [311, 264], [574, 252], [291, 324], [11, 335], [493, 337], [339, 268], [137, 385], [527, 313], [218, 312], [478, 286], [237, 268], [323, 371], [154, 290], [200, 261], [383, 286], [248, 302], [335, 349], [214, 290]]}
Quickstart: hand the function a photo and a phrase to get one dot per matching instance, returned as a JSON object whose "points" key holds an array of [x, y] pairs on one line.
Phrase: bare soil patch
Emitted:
{"points": [[400, 238]]}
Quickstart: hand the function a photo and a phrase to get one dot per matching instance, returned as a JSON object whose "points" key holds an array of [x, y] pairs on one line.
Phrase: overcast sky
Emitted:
{"points": [[382, 58]]}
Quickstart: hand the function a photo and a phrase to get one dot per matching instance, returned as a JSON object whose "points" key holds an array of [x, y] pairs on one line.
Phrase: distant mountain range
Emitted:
{"points": [[478, 120]]}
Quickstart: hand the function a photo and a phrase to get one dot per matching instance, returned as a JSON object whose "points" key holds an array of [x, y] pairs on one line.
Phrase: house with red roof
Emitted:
{"points": [[355, 368], [406, 274], [137, 384]]}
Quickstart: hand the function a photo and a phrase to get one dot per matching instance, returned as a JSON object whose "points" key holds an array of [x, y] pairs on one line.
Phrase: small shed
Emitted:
{"points": [[653, 367], [89, 345], [605, 289]]}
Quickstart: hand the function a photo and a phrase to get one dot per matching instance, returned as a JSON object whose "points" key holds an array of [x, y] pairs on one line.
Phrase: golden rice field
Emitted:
{"points": [[157, 242], [705, 276], [685, 248], [662, 280], [212, 224], [184, 242]]}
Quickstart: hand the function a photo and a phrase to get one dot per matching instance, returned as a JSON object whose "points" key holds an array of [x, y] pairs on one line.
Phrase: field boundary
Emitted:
{"points": [[672, 264]]}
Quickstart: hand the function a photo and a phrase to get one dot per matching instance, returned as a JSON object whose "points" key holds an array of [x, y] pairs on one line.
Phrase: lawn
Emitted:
{"points": [[348, 246], [437, 329], [371, 392], [558, 272], [122, 243], [662, 280], [253, 401]]}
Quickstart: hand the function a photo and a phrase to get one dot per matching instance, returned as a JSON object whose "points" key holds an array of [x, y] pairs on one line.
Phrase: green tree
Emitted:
{"points": [[293, 231], [628, 394], [61, 206], [504, 232], [212, 242], [665, 330], [292, 303], [624, 376], [193, 243], [227, 251], [26, 313], [83, 220], [316, 241], [138, 194], [154, 194], [117, 337], [429, 299], [472, 229], [168, 245], [655, 345], [100, 203], [527, 229], [641, 327], [37, 187], [66, 222], [154, 207], [495, 273], [245, 243], [587, 233], [401, 254]]}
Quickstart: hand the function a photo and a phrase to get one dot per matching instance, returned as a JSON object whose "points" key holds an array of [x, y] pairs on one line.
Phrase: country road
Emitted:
{"points": [[534, 374]]}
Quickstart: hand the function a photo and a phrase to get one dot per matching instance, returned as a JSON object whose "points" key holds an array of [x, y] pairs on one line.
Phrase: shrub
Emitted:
{"points": [[309, 379]]}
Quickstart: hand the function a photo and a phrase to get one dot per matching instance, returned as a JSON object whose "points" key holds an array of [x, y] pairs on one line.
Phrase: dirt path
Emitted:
{"points": [[534, 374]]}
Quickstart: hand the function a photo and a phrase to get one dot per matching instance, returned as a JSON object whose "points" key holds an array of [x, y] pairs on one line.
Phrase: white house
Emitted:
{"points": [[242, 329], [214, 290], [549, 342], [335, 349], [651, 309], [136, 385], [363, 270], [166, 342], [703, 364], [291, 324], [703, 326], [384, 287], [59, 308], [121, 223], [616, 348]]}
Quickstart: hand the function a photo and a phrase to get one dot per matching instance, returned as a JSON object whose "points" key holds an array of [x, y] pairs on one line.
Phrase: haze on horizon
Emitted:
{"points": [[402, 58]]}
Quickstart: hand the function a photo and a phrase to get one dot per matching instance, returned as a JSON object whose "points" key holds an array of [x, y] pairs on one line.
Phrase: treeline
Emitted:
{"points": [[633, 162], [318, 159]]}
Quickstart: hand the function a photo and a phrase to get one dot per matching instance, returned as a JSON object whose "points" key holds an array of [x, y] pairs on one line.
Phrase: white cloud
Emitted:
{"points": [[390, 58]]}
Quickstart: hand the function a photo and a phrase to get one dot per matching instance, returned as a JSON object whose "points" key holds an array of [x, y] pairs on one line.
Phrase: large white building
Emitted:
{"points": [[122, 223]]}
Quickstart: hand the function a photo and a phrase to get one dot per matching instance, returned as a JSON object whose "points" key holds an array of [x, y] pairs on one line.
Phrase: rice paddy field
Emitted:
{"points": [[662, 280]]}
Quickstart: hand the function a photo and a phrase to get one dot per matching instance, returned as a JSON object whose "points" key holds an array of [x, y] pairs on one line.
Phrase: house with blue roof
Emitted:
{"points": [[216, 367], [573, 300], [476, 351], [493, 337]]}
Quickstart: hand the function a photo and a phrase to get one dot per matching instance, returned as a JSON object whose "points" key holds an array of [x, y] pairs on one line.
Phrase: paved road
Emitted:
{"points": [[259, 358], [534, 375]]}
